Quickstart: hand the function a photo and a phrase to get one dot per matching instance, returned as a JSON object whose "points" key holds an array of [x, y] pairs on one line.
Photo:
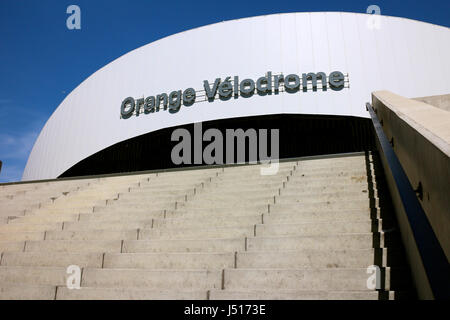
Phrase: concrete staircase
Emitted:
{"points": [[308, 232]]}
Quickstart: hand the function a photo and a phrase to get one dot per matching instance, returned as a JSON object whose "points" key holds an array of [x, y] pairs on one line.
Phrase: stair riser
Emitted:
{"points": [[16, 246], [45, 219], [316, 242], [199, 233], [34, 276], [311, 229], [74, 246], [170, 261], [293, 295], [51, 259], [24, 227], [107, 225], [155, 279], [128, 294], [304, 279], [308, 258], [129, 234], [223, 221], [22, 236], [298, 207], [120, 216], [188, 245], [21, 292]]}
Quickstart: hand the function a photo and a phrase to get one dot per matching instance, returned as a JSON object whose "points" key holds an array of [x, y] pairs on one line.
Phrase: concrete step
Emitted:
{"points": [[91, 293], [136, 206], [316, 228], [254, 174], [25, 227], [14, 291], [192, 260], [76, 203], [15, 209], [246, 185], [194, 205], [332, 161], [256, 167], [318, 216], [22, 236], [311, 167], [154, 279], [196, 233], [229, 200], [172, 188], [11, 246], [353, 197], [107, 225], [95, 195], [144, 203], [201, 213], [52, 259], [11, 218], [124, 210], [208, 221], [99, 234], [294, 189], [324, 181], [180, 179], [292, 295], [189, 172], [331, 242], [294, 174], [336, 279], [64, 210], [45, 218], [224, 195], [324, 196], [121, 216], [151, 196], [282, 166], [329, 174], [25, 201], [47, 276], [174, 191], [255, 177], [281, 207], [74, 246], [237, 193], [184, 245], [320, 258]]}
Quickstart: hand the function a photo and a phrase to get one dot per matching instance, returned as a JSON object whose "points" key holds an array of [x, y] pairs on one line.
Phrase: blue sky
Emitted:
{"points": [[41, 61]]}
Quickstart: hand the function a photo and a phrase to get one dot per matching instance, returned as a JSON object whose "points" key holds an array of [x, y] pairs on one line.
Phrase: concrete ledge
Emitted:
{"points": [[421, 140], [421, 136], [441, 101]]}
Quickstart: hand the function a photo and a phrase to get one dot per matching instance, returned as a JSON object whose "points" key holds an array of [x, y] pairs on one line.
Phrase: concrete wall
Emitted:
{"points": [[441, 101], [421, 135]]}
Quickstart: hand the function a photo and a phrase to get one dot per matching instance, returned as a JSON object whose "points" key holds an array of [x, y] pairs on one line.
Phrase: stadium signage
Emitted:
{"points": [[228, 88]]}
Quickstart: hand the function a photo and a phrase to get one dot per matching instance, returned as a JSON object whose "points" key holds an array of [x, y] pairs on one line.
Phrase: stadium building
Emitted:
{"points": [[316, 71], [358, 207]]}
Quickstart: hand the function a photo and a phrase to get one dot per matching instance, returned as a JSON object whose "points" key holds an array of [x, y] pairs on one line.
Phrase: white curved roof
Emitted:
{"points": [[405, 56]]}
